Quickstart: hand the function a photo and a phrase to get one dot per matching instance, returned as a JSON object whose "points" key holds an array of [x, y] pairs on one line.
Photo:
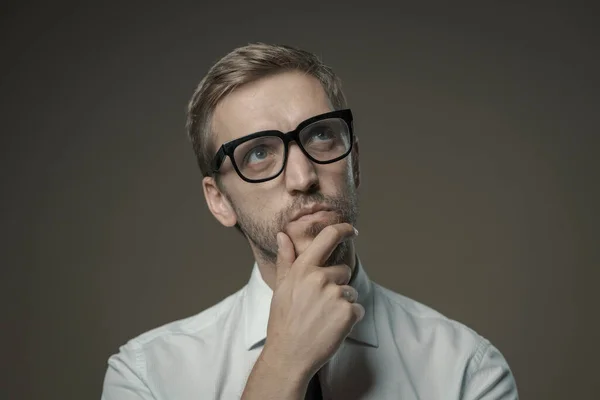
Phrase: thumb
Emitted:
{"points": [[286, 255]]}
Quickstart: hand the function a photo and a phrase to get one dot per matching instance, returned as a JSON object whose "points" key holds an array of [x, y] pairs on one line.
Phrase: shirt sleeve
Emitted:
{"points": [[488, 376], [125, 376]]}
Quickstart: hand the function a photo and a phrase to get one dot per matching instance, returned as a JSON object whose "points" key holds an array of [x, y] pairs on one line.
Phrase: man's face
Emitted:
{"points": [[262, 210]]}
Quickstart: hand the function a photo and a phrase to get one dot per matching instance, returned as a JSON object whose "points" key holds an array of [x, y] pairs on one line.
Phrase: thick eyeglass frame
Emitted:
{"points": [[227, 149]]}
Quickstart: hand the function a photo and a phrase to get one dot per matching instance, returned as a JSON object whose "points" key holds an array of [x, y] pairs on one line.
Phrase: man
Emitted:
{"points": [[275, 142]]}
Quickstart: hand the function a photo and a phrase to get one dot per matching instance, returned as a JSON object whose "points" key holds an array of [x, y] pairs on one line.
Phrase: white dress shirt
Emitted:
{"points": [[401, 349]]}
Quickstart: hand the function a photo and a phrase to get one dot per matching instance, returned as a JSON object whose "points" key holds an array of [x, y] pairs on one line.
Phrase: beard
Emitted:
{"points": [[263, 234]]}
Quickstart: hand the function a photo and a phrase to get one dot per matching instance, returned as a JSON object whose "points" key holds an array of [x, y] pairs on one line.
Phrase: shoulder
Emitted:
{"points": [[171, 352], [410, 318], [200, 325], [199, 331], [422, 333]]}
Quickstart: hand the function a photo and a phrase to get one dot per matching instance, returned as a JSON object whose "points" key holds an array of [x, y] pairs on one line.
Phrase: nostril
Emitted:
{"points": [[313, 188]]}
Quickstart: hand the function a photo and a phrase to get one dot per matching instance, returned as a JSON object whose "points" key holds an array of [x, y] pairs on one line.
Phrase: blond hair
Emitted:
{"points": [[244, 65]]}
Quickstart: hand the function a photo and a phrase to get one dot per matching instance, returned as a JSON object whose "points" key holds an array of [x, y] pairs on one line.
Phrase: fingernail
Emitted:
{"points": [[278, 240], [355, 232]]}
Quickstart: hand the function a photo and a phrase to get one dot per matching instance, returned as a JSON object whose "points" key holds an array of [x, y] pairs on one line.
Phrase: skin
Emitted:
{"points": [[308, 263], [263, 209]]}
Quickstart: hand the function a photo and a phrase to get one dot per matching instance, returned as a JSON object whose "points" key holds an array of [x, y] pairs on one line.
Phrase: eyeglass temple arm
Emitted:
{"points": [[218, 160]]}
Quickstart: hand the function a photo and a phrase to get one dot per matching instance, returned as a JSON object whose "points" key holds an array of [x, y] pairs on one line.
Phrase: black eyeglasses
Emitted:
{"points": [[261, 156]]}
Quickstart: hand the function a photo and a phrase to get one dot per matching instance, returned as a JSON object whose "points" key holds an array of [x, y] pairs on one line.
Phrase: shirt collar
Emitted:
{"points": [[257, 304]]}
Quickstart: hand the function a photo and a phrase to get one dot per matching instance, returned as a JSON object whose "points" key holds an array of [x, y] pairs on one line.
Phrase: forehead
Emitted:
{"points": [[279, 102]]}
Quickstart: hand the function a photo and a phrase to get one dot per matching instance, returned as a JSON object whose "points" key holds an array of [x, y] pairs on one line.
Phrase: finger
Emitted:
{"points": [[359, 311], [286, 255], [326, 241], [338, 274], [348, 293]]}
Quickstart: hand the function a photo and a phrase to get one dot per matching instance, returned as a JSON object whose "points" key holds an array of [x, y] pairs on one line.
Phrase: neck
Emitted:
{"points": [[268, 270]]}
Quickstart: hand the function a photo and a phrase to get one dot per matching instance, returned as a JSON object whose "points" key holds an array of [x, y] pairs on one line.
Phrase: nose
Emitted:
{"points": [[300, 172]]}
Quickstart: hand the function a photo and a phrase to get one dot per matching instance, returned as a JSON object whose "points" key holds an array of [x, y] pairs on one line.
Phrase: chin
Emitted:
{"points": [[302, 236]]}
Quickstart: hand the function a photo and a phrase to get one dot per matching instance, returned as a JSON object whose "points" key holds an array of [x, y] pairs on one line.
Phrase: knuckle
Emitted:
{"points": [[319, 278], [359, 311], [348, 273], [348, 310], [333, 292], [331, 230], [336, 292], [343, 274]]}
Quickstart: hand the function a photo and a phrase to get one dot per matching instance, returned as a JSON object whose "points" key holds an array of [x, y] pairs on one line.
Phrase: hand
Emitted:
{"points": [[313, 308]]}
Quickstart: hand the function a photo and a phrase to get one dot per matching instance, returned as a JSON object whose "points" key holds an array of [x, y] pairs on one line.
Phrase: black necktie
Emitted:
{"points": [[314, 389]]}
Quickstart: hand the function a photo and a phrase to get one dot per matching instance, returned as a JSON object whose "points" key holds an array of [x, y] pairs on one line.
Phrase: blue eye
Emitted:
{"points": [[256, 155], [322, 134]]}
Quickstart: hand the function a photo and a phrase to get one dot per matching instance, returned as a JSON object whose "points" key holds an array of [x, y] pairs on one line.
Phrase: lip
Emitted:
{"points": [[309, 210]]}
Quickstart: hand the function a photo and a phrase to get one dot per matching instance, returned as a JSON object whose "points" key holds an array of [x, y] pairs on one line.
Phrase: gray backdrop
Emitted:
{"points": [[478, 130]]}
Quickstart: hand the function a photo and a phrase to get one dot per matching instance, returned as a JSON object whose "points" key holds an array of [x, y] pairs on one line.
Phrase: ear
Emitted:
{"points": [[355, 162], [217, 202]]}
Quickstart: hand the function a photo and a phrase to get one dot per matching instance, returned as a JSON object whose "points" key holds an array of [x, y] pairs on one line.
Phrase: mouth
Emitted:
{"points": [[316, 216], [308, 213]]}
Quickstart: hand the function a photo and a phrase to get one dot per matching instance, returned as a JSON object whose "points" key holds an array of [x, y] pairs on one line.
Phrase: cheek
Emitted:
{"points": [[258, 206], [266, 210], [336, 178]]}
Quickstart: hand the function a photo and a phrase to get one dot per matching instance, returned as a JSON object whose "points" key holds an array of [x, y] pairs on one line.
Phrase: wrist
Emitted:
{"points": [[273, 378], [292, 371]]}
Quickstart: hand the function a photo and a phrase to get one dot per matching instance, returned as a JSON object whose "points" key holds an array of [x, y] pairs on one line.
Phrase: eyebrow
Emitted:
{"points": [[287, 130]]}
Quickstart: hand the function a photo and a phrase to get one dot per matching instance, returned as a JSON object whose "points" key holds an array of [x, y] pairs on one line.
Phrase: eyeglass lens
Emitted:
{"points": [[263, 157]]}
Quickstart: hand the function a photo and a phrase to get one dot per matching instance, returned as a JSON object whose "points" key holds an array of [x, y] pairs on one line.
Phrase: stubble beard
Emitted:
{"points": [[263, 234]]}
